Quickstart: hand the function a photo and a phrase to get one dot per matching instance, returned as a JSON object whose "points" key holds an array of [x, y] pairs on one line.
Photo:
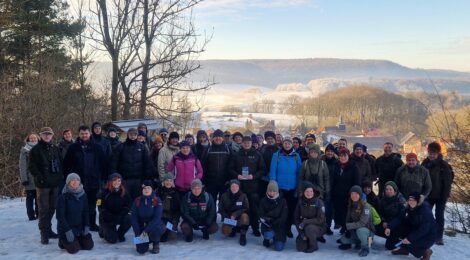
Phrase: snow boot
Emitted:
{"points": [[242, 239], [401, 251], [256, 232], [155, 249], [266, 243], [52, 235], [364, 252], [440, 242], [427, 254], [94, 227], [329, 232], [321, 239], [44, 238], [344, 246], [205, 235]]}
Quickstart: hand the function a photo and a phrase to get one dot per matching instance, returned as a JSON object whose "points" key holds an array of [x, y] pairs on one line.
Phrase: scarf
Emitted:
{"points": [[77, 193]]}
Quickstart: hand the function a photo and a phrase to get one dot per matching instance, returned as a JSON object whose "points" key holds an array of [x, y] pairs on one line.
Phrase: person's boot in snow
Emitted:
{"points": [[233, 233], [321, 239], [266, 243], [344, 246], [329, 232], [427, 254], [339, 241], [155, 249], [256, 232], [205, 234], [44, 238], [242, 239], [401, 251], [52, 235], [364, 252], [440, 242], [189, 238], [289, 233]]}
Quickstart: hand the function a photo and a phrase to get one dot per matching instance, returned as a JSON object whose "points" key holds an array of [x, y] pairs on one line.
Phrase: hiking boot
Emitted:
{"points": [[400, 251], [44, 238], [364, 252], [310, 250], [329, 232], [344, 246], [155, 249], [60, 245], [242, 240], [256, 232], [121, 238], [266, 243], [189, 238], [440, 242], [205, 235], [52, 235], [427, 254], [339, 241], [321, 239]]}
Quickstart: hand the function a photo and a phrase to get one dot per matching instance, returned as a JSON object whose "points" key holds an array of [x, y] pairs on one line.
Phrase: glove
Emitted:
{"points": [[86, 230], [69, 236], [25, 183]]}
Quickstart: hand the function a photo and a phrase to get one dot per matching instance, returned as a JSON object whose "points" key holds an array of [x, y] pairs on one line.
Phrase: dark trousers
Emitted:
{"points": [[439, 215], [340, 208], [391, 240], [262, 187], [308, 239], [47, 200], [188, 230], [31, 204], [215, 191], [133, 187], [253, 201], [291, 200], [329, 212], [91, 195], [110, 230]]}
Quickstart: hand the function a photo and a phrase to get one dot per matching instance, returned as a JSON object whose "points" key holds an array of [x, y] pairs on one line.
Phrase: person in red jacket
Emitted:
{"points": [[185, 167]]}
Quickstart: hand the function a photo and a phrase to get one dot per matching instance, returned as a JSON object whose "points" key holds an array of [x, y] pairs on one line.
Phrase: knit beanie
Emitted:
{"points": [[196, 183], [72, 176], [392, 184], [174, 135], [314, 147], [218, 133], [273, 187], [269, 134], [357, 189]]}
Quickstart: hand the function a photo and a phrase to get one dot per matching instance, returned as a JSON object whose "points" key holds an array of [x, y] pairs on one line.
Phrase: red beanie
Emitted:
{"points": [[410, 156]]}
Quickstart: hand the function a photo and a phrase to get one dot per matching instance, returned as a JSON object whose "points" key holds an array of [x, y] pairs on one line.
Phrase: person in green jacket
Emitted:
{"points": [[359, 224], [412, 178]]}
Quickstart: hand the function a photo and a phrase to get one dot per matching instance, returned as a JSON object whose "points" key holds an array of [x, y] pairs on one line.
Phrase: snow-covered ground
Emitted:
{"points": [[19, 239]]}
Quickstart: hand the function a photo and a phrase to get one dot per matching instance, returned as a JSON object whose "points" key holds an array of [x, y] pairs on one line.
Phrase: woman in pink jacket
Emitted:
{"points": [[185, 167]]}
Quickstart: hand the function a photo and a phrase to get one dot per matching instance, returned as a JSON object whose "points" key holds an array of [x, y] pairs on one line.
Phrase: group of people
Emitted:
{"points": [[266, 182]]}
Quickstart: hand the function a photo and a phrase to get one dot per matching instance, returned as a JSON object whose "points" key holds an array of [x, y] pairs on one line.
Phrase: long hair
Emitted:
{"points": [[110, 187], [30, 134]]}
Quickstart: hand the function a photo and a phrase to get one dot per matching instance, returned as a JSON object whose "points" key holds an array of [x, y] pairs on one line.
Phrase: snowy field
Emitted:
{"points": [[19, 239]]}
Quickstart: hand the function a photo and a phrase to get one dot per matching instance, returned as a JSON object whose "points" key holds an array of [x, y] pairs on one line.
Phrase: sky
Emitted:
{"points": [[427, 34]]}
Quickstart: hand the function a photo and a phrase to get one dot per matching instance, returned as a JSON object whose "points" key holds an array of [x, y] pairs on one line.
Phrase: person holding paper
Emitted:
{"points": [[171, 207], [146, 219], [273, 216], [114, 204], [359, 224], [309, 218], [247, 166], [233, 208], [73, 220], [198, 212], [417, 227]]}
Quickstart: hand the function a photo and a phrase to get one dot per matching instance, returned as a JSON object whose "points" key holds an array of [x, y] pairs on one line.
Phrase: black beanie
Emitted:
{"points": [[269, 134], [174, 135]]}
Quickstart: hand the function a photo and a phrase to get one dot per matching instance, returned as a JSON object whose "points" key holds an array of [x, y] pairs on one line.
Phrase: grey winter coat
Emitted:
{"points": [[166, 154], [25, 174]]}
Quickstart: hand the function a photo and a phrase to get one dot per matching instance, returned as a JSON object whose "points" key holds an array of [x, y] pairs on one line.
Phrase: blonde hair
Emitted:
{"points": [[30, 134]]}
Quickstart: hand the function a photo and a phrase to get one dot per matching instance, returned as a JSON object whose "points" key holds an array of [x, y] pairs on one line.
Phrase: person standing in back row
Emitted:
{"points": [[46, 167], [442, 177], [88, 161], [27, 179], [387, 166]]}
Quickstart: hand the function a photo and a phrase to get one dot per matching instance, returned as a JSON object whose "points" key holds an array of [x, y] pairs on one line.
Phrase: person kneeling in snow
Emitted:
{"points": [[359, 224], [417, 228], [233, 204], [171, 207], [198, 212], [309, 218], [146, 218], [114, 204], [273, 216], [72, 217]]}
